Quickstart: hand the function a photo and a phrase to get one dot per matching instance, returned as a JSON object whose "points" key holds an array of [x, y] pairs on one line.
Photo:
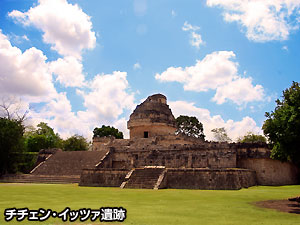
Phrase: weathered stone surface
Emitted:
{"points": [[31, 178], [152, 118], [44, 154], [271, 172], [69, 163], [144, 177], [210, 179], [102, 177]]}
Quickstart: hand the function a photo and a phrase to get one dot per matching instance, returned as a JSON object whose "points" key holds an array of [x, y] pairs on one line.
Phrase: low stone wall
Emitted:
{"points": [[209, 179], [270, 171], [102, 178]]}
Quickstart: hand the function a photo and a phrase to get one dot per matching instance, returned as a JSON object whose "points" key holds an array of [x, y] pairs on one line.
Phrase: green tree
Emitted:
{"points": [[43, 137], [190, 126], [107, 131], [221, 135], [75, 143], [11, 141], [282, 127], [252, 138]]}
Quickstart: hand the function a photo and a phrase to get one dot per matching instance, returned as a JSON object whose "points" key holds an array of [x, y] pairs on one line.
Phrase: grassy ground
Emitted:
{"points": [[153, 207]]}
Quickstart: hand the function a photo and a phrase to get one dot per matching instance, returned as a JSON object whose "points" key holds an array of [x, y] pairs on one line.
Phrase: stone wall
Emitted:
{"points": [[176, 151], [205, 179], [153, 130], [270, 171], [190, 158], [209, 179], [102, 178]]}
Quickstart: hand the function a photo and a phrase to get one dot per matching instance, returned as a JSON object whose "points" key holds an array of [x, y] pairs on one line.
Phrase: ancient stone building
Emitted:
{"points": [[154, 157], [152, 118]]}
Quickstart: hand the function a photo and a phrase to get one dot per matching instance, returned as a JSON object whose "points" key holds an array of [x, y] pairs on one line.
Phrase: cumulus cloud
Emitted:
{"points": [[217, 71], [105, 101], [109, 96], [195, 38], [29, 76], [106, 97], [239, 91], [234, 129], [68, 71], [66, 27], [23, 73], [57, 113], [263, 20]]}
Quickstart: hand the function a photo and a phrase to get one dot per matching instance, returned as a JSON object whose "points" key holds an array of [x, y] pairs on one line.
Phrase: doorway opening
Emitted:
{"points": [[146, 134]]}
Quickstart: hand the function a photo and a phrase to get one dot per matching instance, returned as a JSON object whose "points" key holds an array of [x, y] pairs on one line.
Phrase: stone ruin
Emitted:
{"points": [[154, 157]]}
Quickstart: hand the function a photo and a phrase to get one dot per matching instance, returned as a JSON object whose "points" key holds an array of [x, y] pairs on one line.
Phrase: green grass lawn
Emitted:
{"points": [[168, 206]]}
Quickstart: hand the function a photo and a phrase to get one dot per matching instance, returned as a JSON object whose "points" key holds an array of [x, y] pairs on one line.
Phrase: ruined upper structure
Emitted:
{"points": [[152, 118]]}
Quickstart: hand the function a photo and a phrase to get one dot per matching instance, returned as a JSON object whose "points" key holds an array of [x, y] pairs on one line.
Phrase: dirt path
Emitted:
{"points": [[281, 205]]}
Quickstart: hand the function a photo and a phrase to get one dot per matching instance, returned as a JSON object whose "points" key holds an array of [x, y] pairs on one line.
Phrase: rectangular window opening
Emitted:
{"points": [[146, 134]]}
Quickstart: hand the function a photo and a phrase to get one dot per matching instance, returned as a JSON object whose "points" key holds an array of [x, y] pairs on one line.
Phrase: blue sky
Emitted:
{"points": [[79, 64]]}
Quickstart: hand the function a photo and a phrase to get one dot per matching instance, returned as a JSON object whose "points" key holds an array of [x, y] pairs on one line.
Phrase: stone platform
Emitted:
{"points": [[181, 178], [47, 179]]}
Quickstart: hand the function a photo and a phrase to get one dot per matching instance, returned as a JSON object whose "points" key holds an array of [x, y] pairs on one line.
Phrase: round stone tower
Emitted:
{"points": [[152, 118]]}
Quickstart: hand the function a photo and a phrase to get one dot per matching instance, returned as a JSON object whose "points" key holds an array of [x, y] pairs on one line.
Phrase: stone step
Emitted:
{"points": [[69, 163], [144, 178], [28, 178]]}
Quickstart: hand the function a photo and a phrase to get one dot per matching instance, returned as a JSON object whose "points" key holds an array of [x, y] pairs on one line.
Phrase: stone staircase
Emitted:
{"points": [[148, 177], [69, 163], [59, 168], [48, 179]]}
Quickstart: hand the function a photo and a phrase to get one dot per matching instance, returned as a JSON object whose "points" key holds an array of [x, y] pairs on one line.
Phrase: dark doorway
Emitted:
{"points": [[146, 135]]}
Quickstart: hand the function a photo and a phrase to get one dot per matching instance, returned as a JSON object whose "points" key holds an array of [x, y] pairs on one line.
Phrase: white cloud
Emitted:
{"points": [[121, 124], [217, 71], [58, 114], [188, 27], [137, 66], [66, 27], [263, 20], [17, 39], [108, 98], [195, 38], [105, 102], [68, 71], [27, 75], [234, 129], [239, 91], [23, 73], [25, 37]]}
